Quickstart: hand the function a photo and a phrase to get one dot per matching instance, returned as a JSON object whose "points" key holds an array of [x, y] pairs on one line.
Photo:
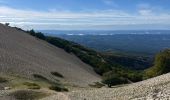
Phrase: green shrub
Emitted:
{"points": [[32, 85], [31, 32], [111, 79], [58, 88], [44, 79], [37, 76], [40, 36], [7, 24], [2, 80], [57, 74]]}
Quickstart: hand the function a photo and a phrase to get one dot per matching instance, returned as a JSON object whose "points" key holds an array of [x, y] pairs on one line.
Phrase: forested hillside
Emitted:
{"points": [[161, 64]]}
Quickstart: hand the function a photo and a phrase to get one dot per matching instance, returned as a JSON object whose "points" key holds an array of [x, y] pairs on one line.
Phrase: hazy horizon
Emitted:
{"points": [[86, 15]]}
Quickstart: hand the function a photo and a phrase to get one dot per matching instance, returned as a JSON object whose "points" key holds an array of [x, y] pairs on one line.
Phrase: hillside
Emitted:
{"points": [[123, 68], [23, 55], [34, 68], [161, 64]]}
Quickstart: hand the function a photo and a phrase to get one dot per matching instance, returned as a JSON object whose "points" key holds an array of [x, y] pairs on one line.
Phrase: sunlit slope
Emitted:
{"points": [[24, 55]]}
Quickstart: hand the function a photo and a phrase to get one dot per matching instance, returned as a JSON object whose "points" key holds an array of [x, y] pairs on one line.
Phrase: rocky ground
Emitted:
{"points": [[153, 89]]}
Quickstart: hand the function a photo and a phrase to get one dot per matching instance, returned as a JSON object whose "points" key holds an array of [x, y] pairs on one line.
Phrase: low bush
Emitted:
{"points": [[58, 88], [40, 36], [2, 80], [112, 79], [7, 24], [40, 77], [44, 79], [57, 74]]}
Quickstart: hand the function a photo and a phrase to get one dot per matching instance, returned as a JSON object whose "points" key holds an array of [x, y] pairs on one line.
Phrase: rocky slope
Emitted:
{"points": [[153, 89], [23, 55]]}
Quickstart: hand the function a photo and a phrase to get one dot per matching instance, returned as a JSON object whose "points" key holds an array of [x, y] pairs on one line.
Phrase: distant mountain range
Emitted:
{"points": [[134, 42]]}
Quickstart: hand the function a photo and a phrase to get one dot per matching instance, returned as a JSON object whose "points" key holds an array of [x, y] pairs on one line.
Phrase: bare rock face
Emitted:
{"points": [[24, 55]]}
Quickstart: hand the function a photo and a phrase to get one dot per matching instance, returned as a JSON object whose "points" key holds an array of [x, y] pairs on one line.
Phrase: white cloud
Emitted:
{"points": [[54, 19]]}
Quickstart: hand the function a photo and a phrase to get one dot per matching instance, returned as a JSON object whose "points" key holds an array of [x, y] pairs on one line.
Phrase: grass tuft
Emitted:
{"points": [[32, 85], [96, 85]]}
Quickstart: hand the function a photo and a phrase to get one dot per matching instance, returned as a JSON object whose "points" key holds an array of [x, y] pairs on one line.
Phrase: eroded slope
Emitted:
{"points": [[24, 55]]}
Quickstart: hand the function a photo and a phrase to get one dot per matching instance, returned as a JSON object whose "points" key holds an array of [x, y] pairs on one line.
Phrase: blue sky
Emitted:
{"points": [[86, 14]]}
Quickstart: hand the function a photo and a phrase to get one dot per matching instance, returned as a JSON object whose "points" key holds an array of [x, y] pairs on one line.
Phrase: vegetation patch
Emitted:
{"points": [[3, 80], [31, 85], [129, 61], [27, 95], [112, 79], [44, 79], [40, 77], [57, 74], [161, 65], [58, 88]]}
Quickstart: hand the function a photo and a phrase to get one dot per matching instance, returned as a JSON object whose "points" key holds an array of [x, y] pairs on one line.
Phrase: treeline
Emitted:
{"points": [[129, 61]]}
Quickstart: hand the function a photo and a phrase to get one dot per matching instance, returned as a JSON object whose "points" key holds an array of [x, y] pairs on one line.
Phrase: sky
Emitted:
{"points": [[86, 14]]}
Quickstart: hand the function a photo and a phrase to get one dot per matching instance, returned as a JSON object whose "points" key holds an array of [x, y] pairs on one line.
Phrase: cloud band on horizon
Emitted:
{"points": [[107, 19]]}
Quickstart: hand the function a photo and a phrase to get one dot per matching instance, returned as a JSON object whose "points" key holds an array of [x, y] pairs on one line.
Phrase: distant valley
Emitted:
{"points": [[146, 43]]}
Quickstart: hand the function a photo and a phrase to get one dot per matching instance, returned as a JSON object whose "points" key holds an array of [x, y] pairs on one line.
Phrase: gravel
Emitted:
{"points": [[152, 89], [23, 55]]}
